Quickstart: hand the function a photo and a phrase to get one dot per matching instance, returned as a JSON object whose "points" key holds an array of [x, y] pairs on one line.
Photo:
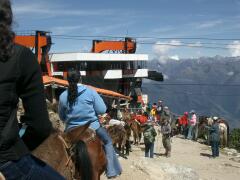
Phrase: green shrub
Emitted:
{"points": [[235, 139]]}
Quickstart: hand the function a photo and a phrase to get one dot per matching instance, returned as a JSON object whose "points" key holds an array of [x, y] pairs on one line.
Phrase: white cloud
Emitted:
{"points": [[231, 73], [197, 44], [162, 50], [165, 77], [234, 48], [55, 10], [175, 57], [209, 24]]}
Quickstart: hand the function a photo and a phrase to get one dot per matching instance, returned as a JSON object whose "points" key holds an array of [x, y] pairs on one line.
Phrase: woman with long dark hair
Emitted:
{"points": [[21, 78], [79, 105]]}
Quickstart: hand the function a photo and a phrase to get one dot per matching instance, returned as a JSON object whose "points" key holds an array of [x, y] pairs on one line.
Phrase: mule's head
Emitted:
{"points": [[76, 134], [209, 121], [88, 154]]}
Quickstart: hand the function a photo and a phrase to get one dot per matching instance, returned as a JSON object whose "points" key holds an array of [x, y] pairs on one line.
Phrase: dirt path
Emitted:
{"points": [[189, 160]]}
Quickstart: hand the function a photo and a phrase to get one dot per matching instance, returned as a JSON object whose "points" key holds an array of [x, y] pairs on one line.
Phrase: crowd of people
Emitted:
{"points": [[186, 125], [155, 115]]}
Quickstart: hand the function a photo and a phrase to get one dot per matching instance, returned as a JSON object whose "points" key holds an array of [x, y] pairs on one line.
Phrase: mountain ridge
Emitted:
{"points": [[211, 86]]}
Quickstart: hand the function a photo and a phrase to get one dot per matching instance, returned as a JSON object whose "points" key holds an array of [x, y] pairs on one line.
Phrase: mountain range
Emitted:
{"points": [[208, 85]]}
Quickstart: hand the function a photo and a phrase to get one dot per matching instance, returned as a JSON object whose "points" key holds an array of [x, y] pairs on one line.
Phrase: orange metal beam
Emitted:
{"points": [[128, 45], [37, 41], [29, 41]]}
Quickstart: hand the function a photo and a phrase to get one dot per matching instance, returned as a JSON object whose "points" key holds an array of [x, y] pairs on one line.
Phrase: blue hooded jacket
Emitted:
{"points": [[88, 106]]}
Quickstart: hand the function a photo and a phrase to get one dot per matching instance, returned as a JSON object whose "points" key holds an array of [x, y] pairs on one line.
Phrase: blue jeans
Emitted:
{"points": [[190, 132], [113, 165], [185, 131], [215, 148], [29, 168], [149, 147]]}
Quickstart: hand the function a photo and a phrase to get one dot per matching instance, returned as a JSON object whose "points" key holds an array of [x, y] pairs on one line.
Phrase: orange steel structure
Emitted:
{"points": [[128, 46], [41, 42]]}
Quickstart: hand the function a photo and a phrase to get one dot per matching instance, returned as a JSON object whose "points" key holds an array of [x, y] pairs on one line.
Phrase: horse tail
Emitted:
{"points": [[83, 162]]}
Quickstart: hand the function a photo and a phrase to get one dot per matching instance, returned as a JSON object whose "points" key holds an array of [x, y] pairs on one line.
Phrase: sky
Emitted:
{"points": [[171, 19]]}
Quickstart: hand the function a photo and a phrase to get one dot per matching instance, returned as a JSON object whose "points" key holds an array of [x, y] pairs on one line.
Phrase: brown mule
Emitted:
{"points": [[118, 135], [77, 154], [137, 131]]}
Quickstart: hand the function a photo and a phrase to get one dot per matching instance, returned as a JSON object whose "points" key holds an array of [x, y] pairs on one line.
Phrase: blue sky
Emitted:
{"points": [[155, 18]]}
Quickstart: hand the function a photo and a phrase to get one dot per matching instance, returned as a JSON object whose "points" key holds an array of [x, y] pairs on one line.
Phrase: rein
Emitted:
{"points": [[69, 150]]}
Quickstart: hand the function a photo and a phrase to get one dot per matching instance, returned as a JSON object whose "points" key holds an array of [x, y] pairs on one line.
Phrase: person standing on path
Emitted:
{"points": [[149, 135], [214, 137], [153, 113], [166, 114], [159, 110], [192, 124], [184, 124], [166, 137]]}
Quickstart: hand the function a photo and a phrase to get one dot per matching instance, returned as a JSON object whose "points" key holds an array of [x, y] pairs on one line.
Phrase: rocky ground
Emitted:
{"points": [[189, 161]]}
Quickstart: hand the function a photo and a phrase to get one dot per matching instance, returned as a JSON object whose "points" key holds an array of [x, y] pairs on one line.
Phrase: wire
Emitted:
{"points": [[77, 39], [150, 37], [182, 44], [192, 84], [189, 46], [173, 91], [134, 37], [187, 84], [193, 43]]}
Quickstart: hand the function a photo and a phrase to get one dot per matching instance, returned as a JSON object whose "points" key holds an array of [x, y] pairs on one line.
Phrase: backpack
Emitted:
{"points": [[148, 137]]}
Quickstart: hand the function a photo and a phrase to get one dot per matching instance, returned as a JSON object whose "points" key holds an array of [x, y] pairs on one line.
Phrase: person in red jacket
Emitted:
{"points": [[184, 124]]}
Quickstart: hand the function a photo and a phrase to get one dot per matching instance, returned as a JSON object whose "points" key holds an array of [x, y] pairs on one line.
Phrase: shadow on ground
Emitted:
{"points": [[205, 155]]}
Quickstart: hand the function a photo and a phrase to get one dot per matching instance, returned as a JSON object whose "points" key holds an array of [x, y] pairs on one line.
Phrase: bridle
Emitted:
{"points": [[70, 151]]}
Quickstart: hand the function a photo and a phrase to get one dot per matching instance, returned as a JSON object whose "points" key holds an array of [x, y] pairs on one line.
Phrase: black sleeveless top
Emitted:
{"points": [[20, 77]]}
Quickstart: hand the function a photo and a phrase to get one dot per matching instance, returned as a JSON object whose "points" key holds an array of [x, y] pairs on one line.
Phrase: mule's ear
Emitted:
{"points": [[74, 134]]}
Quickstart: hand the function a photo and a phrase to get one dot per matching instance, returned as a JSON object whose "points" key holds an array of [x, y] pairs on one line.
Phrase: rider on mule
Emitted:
{"points": [[80, 105]]}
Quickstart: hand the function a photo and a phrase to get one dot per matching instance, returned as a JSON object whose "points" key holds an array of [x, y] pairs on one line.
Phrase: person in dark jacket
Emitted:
{"points": [[166, 137], [149, 134], [21, 78], [214, 137]]}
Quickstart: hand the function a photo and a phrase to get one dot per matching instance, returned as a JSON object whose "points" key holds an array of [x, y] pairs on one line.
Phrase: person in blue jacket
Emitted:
{"points": [[214, 137], [79, 105]]}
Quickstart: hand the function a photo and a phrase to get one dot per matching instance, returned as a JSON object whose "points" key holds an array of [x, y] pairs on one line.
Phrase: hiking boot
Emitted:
{"points": [[168, 154]]}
